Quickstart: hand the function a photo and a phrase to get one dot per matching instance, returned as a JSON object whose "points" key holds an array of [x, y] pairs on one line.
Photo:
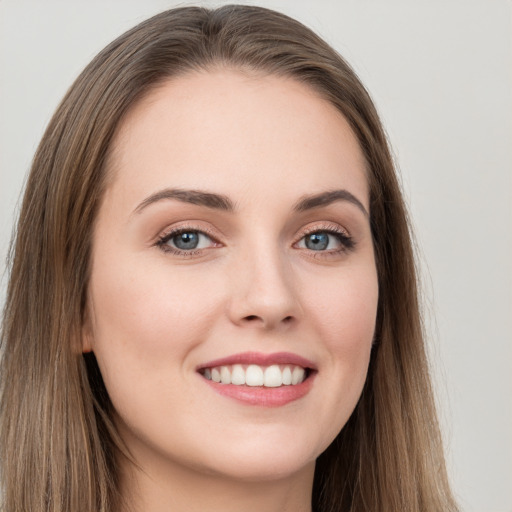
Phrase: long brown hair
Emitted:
{"points": [[58, 446]]}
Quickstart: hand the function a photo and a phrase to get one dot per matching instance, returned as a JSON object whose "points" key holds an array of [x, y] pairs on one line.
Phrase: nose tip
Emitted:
{"points": [[265, 297], [270, 317]]}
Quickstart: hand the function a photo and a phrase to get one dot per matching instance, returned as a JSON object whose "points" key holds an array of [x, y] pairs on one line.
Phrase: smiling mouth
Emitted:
{"points": [[253, 375]]}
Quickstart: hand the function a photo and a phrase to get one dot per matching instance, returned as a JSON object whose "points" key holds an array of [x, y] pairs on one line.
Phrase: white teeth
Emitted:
{"points": [[297, 375], [238, 375], [287, 376], [272, 376], [254, 375], [225, 375], [215, 375]]}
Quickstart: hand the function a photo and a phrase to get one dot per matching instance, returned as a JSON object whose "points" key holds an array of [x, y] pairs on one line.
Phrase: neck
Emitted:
{"points": [[177, 489]]}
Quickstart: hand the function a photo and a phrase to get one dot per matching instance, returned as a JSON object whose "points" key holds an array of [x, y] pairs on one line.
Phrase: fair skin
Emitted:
{"points": [[250, 279]]}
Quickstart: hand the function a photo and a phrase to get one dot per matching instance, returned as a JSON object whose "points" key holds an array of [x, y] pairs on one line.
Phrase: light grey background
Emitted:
{"points": [[441, 75]]}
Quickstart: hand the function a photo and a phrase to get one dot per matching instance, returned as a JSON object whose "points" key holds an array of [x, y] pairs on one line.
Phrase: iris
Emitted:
{"points": [[188, 240], [317, 241]]}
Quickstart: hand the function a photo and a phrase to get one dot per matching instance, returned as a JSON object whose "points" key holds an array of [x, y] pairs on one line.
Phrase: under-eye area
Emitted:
{"points": [[253, 375]]}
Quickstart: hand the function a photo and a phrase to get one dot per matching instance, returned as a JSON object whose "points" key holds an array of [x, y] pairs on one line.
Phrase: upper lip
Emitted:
{"points": [[260, 359]]}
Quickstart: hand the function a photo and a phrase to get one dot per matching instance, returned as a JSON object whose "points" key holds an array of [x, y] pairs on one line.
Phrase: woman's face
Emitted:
{"points": [[233, 243]]}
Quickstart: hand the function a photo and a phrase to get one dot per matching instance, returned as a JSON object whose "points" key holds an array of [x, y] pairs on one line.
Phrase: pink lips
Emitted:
{"points": [[260, 395], [261, 359]]}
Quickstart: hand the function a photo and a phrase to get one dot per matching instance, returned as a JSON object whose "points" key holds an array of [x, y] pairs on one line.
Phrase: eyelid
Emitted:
{"points": [[323, 226], [189, 225]]}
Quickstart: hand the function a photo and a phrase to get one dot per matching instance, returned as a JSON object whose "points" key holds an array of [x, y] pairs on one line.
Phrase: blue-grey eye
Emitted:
{"points": [[324, 240], [317, 241], [187, 240]]}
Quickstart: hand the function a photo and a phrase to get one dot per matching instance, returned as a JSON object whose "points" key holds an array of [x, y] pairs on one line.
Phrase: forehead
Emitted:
{"points": [[236, 130]]}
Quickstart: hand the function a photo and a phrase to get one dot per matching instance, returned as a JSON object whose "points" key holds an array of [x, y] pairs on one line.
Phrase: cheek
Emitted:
{"points": [[342, 311], [348, 302], [345, 314], [146, 327], [144, 316]]}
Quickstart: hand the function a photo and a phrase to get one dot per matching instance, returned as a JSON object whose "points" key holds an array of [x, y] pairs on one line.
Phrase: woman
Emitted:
{"points": [[213, 297]]}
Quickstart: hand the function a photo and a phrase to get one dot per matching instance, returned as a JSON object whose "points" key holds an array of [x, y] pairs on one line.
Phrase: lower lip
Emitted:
{"points": [[263, 396]]}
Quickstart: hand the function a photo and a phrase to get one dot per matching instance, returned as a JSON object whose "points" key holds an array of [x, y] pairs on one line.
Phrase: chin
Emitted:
{"points": [[264, 459], [262, 469]]}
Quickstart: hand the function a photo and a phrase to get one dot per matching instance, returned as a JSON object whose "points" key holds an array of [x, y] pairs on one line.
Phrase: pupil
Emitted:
{"points": [[317, 241], [186, 240]]}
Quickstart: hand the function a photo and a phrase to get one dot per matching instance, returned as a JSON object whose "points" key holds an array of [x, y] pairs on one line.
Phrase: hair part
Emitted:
{"points": [[58, 444]]}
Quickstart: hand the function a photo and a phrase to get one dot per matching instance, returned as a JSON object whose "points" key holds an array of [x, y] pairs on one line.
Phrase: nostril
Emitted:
{"points": [[252, 318]]}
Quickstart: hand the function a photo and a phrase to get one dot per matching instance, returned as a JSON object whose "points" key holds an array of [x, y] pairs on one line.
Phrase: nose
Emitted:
{"points": [[263, 292]]}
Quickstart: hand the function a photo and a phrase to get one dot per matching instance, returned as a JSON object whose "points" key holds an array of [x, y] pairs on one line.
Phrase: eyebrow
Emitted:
{"points": [[198, 197], [224, 203], [327, 198]]}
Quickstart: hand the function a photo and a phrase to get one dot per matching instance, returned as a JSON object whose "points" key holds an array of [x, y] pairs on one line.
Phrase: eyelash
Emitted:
{"points": [[346, 241]]}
